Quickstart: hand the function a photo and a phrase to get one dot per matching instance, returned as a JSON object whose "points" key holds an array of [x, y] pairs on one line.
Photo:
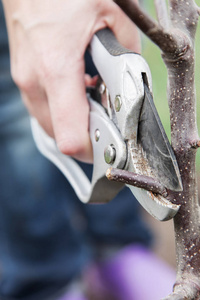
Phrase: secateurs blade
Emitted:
{"points": [[130, 145]]}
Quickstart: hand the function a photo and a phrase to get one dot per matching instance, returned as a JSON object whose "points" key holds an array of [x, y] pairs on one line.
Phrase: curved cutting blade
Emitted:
{"points": [[156, 146]]}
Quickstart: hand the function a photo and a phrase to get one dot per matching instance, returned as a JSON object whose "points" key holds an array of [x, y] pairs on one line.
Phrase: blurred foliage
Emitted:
{"points": [[152, 55]]}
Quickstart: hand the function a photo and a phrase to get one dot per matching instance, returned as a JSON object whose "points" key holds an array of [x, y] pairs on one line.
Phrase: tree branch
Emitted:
{"points": [[184, 16], [173, 43], [162, 13], [137, 15], [140, 181], [177, 45]]}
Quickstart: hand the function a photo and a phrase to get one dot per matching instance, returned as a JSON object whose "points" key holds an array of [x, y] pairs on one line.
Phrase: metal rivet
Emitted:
{"points": [[97, 135], [102, 88], [109, 154], [118, 103]]}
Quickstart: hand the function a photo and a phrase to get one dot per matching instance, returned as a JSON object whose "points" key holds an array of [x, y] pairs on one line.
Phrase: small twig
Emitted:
{"points": [[162, 14], [165, 40], [140, 181], [137, 15], [184, 16]]}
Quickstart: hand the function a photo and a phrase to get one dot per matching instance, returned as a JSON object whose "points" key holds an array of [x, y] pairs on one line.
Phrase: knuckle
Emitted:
{"points": [[99, 6], [70, 147], [23, 79]]}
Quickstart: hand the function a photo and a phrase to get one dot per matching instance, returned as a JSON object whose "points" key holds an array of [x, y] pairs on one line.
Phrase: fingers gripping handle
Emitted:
{"points": [[87, 191]]}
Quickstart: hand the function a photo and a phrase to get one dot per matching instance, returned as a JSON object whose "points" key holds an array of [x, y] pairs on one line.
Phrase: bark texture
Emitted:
{"points": [[174, 34]]}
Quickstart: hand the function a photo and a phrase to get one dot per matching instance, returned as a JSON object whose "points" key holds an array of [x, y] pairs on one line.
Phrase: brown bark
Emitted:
{"points": [[140, 181], [175, 35]]}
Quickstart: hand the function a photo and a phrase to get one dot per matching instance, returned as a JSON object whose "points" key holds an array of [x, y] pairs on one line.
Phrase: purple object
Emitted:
{"points": [[76, 295], [134, 273]]}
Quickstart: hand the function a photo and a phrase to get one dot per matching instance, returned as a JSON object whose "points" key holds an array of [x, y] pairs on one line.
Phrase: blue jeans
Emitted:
{"points": [[46, 234]]}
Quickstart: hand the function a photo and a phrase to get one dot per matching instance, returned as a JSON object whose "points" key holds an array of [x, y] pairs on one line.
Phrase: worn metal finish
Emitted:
{"points": [[124, 75], [156, 146]]}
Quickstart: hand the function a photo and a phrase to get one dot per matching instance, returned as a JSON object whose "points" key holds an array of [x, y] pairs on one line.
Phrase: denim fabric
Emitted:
{"points": [[47, 235]]}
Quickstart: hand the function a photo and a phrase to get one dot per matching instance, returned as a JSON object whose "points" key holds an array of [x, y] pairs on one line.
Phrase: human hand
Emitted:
{"points": [[48, 40]]}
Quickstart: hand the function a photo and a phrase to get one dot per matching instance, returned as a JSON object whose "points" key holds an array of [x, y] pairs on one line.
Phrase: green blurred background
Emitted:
{"points": [[152, 55]]}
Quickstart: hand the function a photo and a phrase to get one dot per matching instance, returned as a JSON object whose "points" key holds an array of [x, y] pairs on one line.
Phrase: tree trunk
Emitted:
{"points": [[175, 34]]}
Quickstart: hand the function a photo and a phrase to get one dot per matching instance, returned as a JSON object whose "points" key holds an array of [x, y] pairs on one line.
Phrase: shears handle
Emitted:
{"points": [[109, 147], [103, 134], [100, 124]]}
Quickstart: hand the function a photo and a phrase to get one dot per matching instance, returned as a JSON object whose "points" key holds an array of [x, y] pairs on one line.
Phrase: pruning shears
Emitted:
{"points": [[130, 145]]}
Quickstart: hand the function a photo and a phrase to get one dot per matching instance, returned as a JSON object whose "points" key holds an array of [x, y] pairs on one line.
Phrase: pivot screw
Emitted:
{"points": [[109, 154], [118, 103]]}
